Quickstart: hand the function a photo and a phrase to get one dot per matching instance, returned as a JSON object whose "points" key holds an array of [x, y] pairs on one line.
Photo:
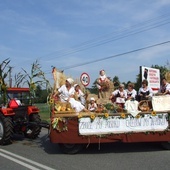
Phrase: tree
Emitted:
{"points": [[116, 81], [163, 70]]}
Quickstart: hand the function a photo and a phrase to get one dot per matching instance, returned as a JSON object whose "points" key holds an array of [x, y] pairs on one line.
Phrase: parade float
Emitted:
{"points": [[146, 121]]}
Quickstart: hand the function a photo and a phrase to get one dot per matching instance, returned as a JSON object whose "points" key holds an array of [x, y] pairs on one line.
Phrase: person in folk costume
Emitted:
{"points": [[165, 87], [102, 84], [79, 95], [66, 93], [119, 96], [92, 106], [145, 92], [131, 92]]}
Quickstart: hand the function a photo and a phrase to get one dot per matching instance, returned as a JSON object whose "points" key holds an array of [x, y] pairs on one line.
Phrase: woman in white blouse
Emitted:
{"points": [[66, 94], [145, 92], [131, 92], [119, 96]]}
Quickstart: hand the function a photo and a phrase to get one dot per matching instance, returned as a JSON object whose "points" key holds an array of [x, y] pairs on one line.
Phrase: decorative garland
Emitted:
{"points": [[59, 124]]}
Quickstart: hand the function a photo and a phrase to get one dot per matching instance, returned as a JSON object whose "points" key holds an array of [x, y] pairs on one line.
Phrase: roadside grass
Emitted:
{"points": [[44, 111]]}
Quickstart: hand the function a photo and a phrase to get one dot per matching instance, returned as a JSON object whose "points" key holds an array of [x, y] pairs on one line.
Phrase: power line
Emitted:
{"points": [[114, 56], [141, 27]]}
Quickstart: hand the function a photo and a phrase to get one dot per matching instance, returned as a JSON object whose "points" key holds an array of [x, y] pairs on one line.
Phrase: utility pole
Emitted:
{"points": [[10, 78]]}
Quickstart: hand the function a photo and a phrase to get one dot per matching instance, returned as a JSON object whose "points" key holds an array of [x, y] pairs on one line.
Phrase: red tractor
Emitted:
{"points": [[18, 115]]}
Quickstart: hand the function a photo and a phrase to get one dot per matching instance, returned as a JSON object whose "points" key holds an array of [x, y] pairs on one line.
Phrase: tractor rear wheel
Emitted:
{"points": [[6, 130], [34, 128]]}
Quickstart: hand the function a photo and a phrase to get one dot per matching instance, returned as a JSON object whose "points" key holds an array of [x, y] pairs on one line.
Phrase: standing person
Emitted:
{"points": [[79, 94], [145, 92], [66, 93], [131, 92], [92, 106], [165, 87], [119, 96], [102, 84]]}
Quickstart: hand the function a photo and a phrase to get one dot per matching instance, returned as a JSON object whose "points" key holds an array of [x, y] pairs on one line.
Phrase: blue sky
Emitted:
{"points": [[63, 33]]}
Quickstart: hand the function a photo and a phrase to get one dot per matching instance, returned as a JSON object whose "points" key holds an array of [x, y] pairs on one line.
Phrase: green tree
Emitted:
{"points": [[116, 81], [163, 70]]}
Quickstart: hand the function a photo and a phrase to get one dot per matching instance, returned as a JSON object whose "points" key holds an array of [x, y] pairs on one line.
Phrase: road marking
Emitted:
{"points": [[24, 159], [19, 162]]}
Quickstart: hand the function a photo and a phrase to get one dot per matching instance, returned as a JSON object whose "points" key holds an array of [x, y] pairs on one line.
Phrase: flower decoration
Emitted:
{"points": [[80, 116], [51, 101], [106, 115], [153, 113], [59, 124], [92, 116], [123, 115]]}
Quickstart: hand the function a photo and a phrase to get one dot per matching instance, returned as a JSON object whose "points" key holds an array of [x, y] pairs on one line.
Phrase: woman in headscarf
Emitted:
{"points": [[66, 94]]}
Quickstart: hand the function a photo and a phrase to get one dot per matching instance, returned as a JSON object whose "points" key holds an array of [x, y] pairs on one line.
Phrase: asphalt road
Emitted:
{"points": [[25, 154]]}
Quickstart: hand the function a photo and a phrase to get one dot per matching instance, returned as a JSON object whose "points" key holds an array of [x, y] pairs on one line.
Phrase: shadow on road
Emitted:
{"points": [[119, 147], [51, 148], [116, 147]]}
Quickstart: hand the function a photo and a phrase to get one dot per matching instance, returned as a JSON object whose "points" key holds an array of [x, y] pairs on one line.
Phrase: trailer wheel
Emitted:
{"points": [[166, 145], [70, 148], [34, 128], [6, 130]]}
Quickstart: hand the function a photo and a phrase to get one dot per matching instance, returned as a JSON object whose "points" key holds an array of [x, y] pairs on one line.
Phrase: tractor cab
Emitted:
{"points": [[19, 97]]}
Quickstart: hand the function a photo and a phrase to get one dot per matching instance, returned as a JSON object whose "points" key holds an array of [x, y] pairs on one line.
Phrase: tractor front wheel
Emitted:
{"points": [[33, 128], [6, 130]]}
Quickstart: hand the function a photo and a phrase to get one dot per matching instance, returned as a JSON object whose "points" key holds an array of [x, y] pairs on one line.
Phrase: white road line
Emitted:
{"points": [[19, 162], [24, 159]]}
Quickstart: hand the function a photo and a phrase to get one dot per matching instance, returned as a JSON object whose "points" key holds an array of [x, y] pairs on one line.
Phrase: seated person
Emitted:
{"points": [[165, 87], [145, 92], [119, 96], [92, 106], [79, 94], [66, 93], [131, 92]]}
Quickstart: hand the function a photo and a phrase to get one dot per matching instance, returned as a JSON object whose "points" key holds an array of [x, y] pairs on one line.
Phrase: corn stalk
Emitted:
{"points": [[3, 74], [35, 78]]}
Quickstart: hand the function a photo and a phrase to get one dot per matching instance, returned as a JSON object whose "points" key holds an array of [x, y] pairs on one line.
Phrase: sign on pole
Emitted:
{"points": [[85, 79], [152, 75]]}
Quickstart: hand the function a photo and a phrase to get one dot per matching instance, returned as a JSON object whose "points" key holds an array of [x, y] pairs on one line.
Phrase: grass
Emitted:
{"points": [[44, 111]]}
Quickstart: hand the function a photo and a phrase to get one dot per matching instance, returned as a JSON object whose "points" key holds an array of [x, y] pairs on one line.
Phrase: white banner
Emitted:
{"points": [[116, 124], [161, 103], [152, 75]]}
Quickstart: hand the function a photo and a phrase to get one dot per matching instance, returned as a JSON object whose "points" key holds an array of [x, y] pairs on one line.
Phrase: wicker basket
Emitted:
{"points": [[145, 105]]}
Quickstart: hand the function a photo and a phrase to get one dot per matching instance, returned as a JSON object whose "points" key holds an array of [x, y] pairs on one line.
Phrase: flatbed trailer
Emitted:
{"points": [[72, 131]]}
